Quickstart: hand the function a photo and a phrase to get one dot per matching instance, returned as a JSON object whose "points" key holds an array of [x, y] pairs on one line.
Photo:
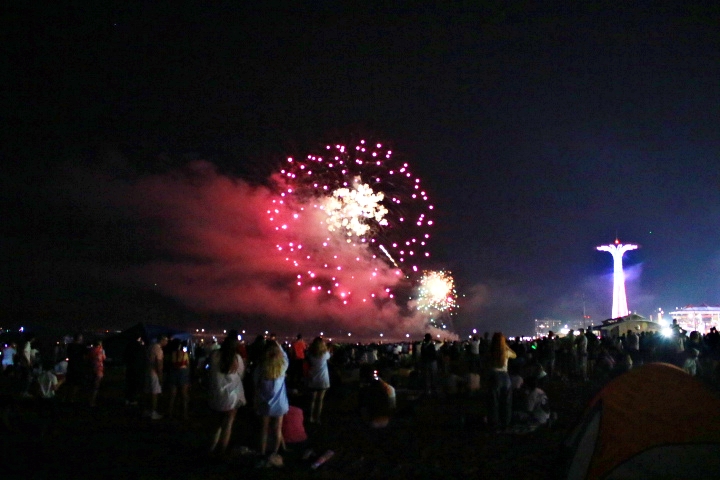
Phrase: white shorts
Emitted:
{"points": [[153, 384]]}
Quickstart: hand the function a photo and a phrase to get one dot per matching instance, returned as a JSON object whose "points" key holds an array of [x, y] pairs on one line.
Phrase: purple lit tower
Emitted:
{"points": [[619, 308]]}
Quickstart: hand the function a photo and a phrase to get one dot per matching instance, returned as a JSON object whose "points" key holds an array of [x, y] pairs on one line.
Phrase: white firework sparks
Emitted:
{"points": [[350, 209], [436, 291]]}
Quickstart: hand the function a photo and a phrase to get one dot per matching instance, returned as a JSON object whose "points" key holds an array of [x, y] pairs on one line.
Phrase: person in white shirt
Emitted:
{"points": [[8, 355], [49, 384]]}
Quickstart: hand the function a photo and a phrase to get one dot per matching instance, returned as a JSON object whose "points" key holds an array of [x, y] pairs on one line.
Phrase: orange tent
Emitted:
{"points": [[654, 421]]}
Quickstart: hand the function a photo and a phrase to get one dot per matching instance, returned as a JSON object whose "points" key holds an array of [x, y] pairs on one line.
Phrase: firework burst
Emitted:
{"points": [[349, 215], [436, 291], [436, 297]]}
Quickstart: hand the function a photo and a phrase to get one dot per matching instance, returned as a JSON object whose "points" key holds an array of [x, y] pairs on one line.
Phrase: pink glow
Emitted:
{"points": [[226, 251]]}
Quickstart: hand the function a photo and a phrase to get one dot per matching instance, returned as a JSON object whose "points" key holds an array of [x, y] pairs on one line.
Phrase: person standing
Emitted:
{"points": [[226, 390], [500, 388], [97, 362], [8, 355], [178, 377], [581, 344], [474, 346], [297, 368], [547, 353], [428, 358], [319, 376], [25, 365], [632, 346], [48, 384], [156, 359], [135, 367], [271, 401], [76, 366]]}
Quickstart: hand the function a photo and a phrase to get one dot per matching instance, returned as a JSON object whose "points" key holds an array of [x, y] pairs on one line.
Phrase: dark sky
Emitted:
{"points": [[541, 131]]}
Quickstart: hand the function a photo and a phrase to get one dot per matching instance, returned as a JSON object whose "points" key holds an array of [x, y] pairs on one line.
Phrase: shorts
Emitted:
{"points": [[153, 384]]}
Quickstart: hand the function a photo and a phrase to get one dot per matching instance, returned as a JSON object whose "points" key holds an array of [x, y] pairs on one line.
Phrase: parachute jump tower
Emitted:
{"points": [[617, 249]]}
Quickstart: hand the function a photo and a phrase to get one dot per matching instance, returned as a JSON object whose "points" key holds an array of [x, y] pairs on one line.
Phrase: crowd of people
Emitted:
{"points": [[508, 376]]}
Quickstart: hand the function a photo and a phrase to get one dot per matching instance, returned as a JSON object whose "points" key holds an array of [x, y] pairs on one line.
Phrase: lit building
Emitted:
{"points": [[614, 327], [558, 327], [697, 318], [545, 325]]}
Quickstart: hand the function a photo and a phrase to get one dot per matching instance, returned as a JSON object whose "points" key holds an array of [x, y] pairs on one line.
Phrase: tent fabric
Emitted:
{"points": [[647, 423]]}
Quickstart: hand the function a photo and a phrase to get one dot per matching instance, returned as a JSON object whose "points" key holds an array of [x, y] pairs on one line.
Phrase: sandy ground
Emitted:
{"points": [[427, 438]]}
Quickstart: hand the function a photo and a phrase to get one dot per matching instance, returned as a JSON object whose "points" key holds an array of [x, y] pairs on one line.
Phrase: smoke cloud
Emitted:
{"points": [[211, 246]]}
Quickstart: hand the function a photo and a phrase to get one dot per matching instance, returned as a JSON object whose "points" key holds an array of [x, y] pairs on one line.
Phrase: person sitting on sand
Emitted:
{"points": [[48, 385], [533, 412], [377, 399]]}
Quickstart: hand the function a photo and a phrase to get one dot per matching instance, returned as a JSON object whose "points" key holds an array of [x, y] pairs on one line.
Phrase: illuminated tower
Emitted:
{"points": [[619, 308]]}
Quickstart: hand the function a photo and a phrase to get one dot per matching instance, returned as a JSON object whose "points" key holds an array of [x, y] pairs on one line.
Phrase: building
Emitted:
{"points": [[699, 318], [614, 327], [559, 327]]}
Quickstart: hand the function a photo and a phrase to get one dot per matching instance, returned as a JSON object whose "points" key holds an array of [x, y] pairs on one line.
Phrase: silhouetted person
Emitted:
{"points": [[135, 367]]}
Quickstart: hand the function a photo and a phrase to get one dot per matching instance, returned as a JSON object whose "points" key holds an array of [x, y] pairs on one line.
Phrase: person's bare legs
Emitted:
{"points": [[216, 436], [264, 434], [227, 429], [319, 404], [278, 433], [312, 406], [223, 432]]}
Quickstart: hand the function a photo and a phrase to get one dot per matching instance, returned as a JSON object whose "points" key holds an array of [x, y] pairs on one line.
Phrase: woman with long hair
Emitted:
{"points": [[500, 387], [271, 401], [226, 389], [318, 376]]}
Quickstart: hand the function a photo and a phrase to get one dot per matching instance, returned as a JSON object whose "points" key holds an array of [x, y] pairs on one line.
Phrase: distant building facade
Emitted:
{"points": [[559, 327], [699, 318]]}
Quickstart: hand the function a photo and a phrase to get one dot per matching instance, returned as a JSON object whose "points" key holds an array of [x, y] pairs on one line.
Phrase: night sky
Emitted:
{"points": [[139, 140]]}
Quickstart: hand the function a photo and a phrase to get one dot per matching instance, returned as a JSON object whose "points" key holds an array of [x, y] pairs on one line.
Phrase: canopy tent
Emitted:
{"points": [[614, 327], [654, 421], [115, 345]]}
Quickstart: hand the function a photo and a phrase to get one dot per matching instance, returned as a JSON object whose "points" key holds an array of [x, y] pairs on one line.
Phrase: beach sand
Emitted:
{"points": [[428, 437]]}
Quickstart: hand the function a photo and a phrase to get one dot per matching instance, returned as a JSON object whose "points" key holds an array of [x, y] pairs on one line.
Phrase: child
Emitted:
{"points": [[48, 385], [533, 411]]}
